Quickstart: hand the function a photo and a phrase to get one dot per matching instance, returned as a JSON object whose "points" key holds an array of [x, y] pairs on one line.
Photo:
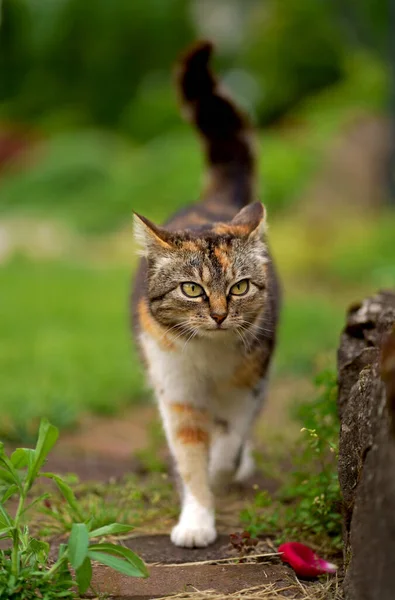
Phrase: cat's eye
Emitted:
{"points": [[240, 288], [192, 290]]}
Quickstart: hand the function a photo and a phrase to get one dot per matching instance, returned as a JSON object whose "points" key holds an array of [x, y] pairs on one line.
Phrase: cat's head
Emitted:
{"points": [[202, 283]]}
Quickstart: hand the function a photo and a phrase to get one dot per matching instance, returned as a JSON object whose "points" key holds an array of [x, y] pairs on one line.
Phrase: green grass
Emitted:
{"points": [[26, 572], [144, 501], [67, 347], [309, 332], [66, 344], [92, 180], [307, 507], [64, 324]]}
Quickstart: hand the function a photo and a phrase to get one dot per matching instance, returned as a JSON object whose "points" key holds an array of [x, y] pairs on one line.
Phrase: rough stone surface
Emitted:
{"points": [[165, 581], [160, 549], [366, 364]]}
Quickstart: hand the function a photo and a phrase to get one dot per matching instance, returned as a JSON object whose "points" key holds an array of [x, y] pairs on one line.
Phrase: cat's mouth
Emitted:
{"points": [[217, 329]]}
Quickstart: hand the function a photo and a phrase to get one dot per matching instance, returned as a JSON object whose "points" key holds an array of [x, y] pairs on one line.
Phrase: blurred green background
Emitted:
{"points": [[90, 130]]}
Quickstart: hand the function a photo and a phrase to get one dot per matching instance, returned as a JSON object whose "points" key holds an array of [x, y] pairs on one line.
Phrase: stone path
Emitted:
{"points": [[165, 581], [214, 572]]}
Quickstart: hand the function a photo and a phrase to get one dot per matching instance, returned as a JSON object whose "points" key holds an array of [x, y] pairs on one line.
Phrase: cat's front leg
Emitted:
{"points": [[188, 432], [230, 452]]}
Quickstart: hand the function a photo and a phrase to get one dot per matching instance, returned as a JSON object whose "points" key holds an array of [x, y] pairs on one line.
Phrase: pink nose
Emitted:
{"points": [[218, 318]]}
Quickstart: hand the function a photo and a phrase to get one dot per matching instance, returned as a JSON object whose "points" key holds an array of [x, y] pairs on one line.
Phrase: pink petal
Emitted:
{"points": [[304, 561]]}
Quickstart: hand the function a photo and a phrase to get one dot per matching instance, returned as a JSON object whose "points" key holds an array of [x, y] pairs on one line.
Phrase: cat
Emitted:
{"points": [[206, 303]]}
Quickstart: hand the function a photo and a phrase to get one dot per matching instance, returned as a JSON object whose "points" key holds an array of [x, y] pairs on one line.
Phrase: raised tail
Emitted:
{"points": [[226, 131]]}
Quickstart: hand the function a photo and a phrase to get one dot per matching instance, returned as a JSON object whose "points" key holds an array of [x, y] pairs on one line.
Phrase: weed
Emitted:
{"points": [[308, 504], [25, 571], [145, 501]]}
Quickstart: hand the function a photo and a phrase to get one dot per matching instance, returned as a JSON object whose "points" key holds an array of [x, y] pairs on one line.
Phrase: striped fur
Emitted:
{"points": [[207, 357]]}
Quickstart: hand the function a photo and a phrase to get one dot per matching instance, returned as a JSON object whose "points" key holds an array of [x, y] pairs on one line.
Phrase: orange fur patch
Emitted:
{"points": [[187, 409], [236, 230], [191, 246], [218, 304], [150, 326], [192, 435], [249, 372], [222, 257]]}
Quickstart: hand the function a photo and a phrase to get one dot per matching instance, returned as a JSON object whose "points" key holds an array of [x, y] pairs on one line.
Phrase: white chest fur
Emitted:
{"points": [[193, 368]]}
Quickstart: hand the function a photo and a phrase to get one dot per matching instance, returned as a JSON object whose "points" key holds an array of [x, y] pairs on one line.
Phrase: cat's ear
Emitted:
{"points": [[152, 239], [251, 221]]}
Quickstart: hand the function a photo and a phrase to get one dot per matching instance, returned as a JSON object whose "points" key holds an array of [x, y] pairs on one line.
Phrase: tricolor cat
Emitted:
{"points": [[206, 305]]}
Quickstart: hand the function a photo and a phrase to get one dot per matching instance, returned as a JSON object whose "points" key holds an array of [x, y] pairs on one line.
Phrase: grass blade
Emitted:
{"points": [[68, 495], [7, 465], [120, 551], [6, 476], [13, 489], [84, 575], [78, 544], [47, 436], [111, 530], [5, 517], [36, 501], [116, 563]]}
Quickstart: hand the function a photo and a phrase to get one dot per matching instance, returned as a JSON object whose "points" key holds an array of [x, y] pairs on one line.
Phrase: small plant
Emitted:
{"points": [[25, 569], [243, 542], [148, 502], [308, 504]]}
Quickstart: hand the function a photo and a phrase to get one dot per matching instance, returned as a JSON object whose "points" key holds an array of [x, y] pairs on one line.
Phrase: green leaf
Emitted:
{"points": [[5, 518], [111, 530], [84, 575], [22, 457], [78, 544], [3, 521], [136, 568], [36, 501], [6, 476], [47, 436], [36, 550], [9, 492], [116, 563], [5, 532], [67, 493], [7, 464], [38, 546], [62, 550]]}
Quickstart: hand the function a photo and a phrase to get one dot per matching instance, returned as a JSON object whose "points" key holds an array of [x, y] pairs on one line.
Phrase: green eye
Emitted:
{"points": [[240, 288], [192, 290]]}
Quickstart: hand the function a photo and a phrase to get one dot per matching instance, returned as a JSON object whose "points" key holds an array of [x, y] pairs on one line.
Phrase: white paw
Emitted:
{"points": [[193, 536]]}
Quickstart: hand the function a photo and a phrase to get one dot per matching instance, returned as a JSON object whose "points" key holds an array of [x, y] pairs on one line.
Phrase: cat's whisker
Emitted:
{"points": [[248, 332], [182, 333], [258, 327], [193, 334], [184, 327], [241, 335]]}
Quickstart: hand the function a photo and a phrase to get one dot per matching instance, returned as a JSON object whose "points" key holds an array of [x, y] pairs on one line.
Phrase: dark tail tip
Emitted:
{"points": [[219, 121], [194, 76]]}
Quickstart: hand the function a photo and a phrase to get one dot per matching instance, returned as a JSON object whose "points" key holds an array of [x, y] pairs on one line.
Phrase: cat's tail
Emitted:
{"points": [[226, 131]]}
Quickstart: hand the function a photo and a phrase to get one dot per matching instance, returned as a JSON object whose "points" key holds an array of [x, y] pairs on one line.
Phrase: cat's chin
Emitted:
{"points": [[217, 332]]}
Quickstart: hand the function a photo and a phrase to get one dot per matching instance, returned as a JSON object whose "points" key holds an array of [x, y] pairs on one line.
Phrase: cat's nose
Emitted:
{"points": [[218, 317]]}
